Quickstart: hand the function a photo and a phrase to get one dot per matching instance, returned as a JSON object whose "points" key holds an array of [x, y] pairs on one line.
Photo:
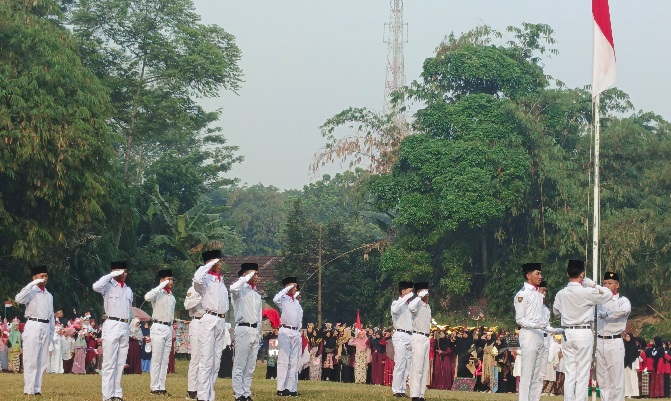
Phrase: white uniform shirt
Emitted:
{"points": [[162, 304], [400, 313], [39, 303], [247, 303], [292, 311], [618, 309], [575, 303], [117, 298], [212, 289], [192, 303], [421, 316], [67, 348], [529, 308]]}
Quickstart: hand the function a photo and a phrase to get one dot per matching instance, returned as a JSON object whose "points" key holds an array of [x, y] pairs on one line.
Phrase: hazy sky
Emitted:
{"points": [[306, 60]]}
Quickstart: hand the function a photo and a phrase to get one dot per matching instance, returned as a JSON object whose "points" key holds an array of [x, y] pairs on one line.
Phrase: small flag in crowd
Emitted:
{"points": [[8, 304]]}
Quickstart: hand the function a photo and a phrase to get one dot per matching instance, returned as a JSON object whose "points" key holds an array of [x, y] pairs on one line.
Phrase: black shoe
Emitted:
{"points": [[399, 395], [416, 399], [192, 395], [248, 398], [241, 398], [280, 393], [293, 393]]}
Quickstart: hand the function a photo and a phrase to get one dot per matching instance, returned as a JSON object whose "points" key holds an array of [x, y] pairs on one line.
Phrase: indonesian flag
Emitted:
{"points": [[8, 304], [604, 72], [358, 321]]}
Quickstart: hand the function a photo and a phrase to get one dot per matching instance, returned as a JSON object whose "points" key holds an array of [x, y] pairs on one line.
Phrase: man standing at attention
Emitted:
{"points": [[289, 338], [530, 317], [421, 331], [575, 305], [196, 312], [118, 299], [247, 306], [38, 331], [611, 323], [208, 282], [163, 313], [402, 338]]}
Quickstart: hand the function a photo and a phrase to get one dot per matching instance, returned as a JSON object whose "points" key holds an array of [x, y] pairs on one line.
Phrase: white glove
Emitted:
{"points": [[37, 281], [297, 294], [586, 282], [212, 263], [540, 326], [604, 314], [423, 293], [408, 296], [290, 286], [250, 275], [559, 330], [116, 273], [163, 284]]}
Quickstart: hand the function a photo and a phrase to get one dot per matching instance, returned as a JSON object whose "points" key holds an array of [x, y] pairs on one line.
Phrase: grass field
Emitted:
{"points": [[136, 388]]}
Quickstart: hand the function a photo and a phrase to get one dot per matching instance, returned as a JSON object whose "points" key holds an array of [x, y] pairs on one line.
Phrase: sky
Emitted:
{"points": [[306, 60]]}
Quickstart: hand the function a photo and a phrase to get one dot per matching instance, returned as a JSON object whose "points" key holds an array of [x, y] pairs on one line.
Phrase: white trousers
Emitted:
{"points": [[115, 350], [161, 344], [630, 383], [56, 359], [419, 373], [532, 370], [610, 368], [195, 355], [35, 339], [246, 350], [211, 344], [577, 350], [290, 344], [402, 361]]}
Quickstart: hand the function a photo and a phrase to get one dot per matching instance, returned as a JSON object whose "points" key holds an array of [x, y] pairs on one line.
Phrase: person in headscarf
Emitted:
{"points": [[388, 345], [145, 351], [504, 361], [4, 351], [14, 345], [315, 349], [490, 377], [658, 356], [335, 374], [79, 363], [631, 365], [328, 354], [377, 358], [464, 342], [134, 357], [443, 367], [347, 357], [361, 357]]}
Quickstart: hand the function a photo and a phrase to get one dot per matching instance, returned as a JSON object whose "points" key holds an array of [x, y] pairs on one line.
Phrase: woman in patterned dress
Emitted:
{"points": [[361, 342]]}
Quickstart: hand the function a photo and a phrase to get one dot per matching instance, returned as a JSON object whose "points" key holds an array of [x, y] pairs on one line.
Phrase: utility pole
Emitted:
{"points": [[319, 279]]}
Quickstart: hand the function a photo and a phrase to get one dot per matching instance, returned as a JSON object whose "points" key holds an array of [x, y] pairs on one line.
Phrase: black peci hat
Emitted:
{"points": [[404, 285], [247, 266], [289, 280], [422, 285], [529, 267], [164, 273], [38, 270], [576, 264], [611, 276], [213, 254], [119, 265]]}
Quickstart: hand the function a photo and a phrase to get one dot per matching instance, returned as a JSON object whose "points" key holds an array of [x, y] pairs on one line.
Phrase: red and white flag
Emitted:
{"points": [[604, 72], [8, 304], [357, 325]]}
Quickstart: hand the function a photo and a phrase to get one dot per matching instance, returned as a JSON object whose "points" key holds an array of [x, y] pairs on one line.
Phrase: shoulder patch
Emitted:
{"points": [[188, 294], [519, 299]]}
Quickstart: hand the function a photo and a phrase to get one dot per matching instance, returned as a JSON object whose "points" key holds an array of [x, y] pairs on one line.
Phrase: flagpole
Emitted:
{"points": [[596, 211]]}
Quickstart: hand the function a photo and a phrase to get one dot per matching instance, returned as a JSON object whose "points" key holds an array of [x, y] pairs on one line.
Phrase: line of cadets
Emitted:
{"points": [[207, 302], [575, 306]]}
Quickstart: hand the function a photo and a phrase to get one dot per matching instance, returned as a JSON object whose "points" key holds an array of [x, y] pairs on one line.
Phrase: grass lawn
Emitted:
{"points": [[136, 388]]}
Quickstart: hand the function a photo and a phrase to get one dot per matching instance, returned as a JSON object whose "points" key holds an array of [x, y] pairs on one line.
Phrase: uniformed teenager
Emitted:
{"points": [[574, 304], [196, 312], [533, 322], [289, 338], [118, 299], [421, 331], [163, 313], [402, 337], [209, 283], [247, 306], [610, 325], [39, 329]]}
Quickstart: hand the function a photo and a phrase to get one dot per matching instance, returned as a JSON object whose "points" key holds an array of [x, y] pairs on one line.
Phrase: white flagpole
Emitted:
{"points": [[597, 208]]}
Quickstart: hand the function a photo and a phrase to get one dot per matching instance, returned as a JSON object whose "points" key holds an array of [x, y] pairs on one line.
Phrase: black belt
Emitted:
{"points": [[610, 337], [196, 317], [578, 327], [160, 322], [545, 334], [254, 325], [221, 315], [118, 319], [288, 327], [34, 319], [419, 332], [404, 331]]}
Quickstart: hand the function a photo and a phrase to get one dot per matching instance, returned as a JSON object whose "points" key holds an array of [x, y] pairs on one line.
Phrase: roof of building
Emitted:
{"points": [[266, 269]]}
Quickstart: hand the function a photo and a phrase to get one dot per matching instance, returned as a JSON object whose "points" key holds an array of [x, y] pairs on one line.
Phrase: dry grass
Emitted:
{"points": [[136, 388]]}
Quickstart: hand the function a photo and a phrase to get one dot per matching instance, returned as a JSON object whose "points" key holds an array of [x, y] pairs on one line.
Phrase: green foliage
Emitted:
{"points": [[658, 329]]}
